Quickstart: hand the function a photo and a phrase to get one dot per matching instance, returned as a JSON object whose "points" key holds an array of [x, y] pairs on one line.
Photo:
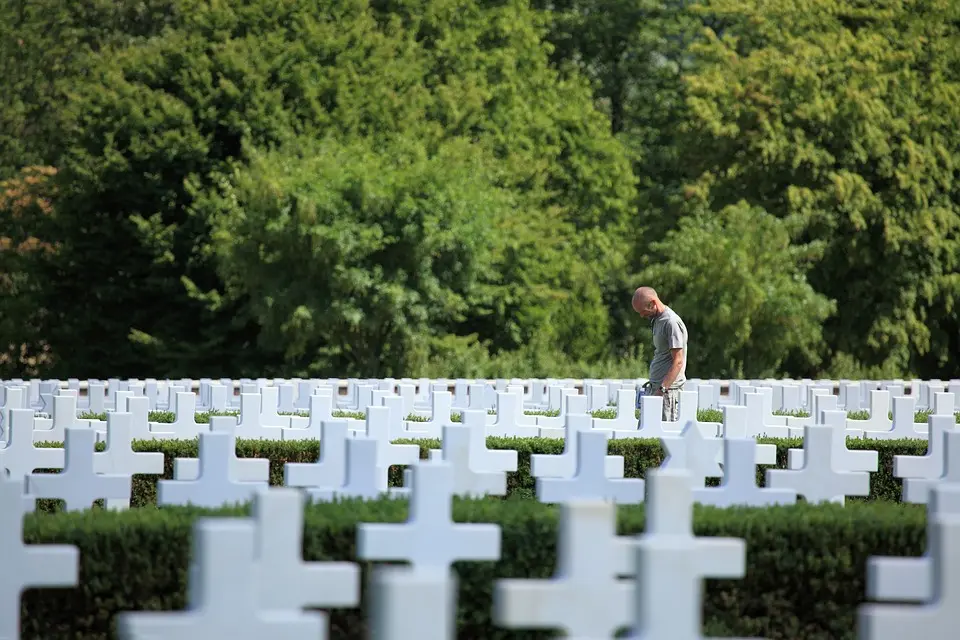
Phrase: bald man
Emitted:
{"points": [[669, 365]]}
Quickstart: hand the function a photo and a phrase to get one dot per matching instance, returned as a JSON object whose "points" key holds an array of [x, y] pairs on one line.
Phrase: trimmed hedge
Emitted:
{"points": [[639, 454], [806, 565]]}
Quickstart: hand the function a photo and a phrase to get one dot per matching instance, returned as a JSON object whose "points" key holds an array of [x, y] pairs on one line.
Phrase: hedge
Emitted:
{"points": [[806, 565], [639, 454]]}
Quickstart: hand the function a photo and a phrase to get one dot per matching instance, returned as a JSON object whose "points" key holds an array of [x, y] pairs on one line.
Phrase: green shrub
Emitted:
{"points": [[639, 454], [805, 577]]}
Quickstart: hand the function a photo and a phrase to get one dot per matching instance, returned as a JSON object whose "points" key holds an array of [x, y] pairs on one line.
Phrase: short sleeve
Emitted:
{"points": [[675, 335]]}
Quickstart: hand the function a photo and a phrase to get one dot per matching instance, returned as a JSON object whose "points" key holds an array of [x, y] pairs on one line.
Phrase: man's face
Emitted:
{"points": [[644, 307]]}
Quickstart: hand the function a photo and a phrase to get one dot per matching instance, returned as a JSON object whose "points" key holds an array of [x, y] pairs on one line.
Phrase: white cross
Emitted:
{"points": [[940, 615], [590, 481], [286, 581], [364, 478], [241, 469], [223, 595], [78, 485], [429, 540], [119, 456], [468, 481], [671, 562], [215, 485], [739, 484], [929, 465], [819, 480], [21, 456], [329, 471], [917, 490], [584, 599], [26, 566]]}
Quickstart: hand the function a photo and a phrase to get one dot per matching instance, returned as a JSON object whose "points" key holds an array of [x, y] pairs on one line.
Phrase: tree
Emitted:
{"points": [[159, 122], [25, 204], [840, 117], [740, 286]]}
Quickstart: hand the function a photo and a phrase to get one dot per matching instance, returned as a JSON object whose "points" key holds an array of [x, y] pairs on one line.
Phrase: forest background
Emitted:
{"points": [[474, 188]]}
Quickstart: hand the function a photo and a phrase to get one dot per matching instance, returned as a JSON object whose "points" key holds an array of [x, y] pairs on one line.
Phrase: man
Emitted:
{"points": [[669, 365]]}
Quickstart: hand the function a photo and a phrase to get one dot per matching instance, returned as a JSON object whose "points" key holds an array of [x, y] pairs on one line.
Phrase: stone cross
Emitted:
{"points": [[253, 425], [471, 478], [185, 423], [120, 458], [378, 421], [215, 485], [429, 540], [843, 458], [407, 604], [223, 594], [563, 465], [286, 581], [330, 469], [78, 485], [819, 479], [929, 465], [917, 490], [585, 599], [363, 477], [902, 424], [739, 484], [321, 410], [26, 566], [671, 563], [734, 426], [241, 469], [21, 456], [939, 615], [589, 480]]}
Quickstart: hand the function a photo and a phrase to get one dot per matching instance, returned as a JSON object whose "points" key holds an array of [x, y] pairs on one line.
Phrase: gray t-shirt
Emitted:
{"points": [[669, 332]]}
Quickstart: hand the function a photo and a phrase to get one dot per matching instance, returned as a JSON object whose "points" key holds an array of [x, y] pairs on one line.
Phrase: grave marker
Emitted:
{"points": [[286, 580], [739, 483], [939, 615], [78, 485], [589, 480], [819, 479], [26, 566], [215, 484], [429, 540], [671, 563], [694, 453], [21, 456], [223, 594], [584, 599], [330, 469]]}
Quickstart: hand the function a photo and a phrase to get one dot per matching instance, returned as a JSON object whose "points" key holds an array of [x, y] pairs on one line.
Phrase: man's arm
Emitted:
{"points": [[674, 368]]}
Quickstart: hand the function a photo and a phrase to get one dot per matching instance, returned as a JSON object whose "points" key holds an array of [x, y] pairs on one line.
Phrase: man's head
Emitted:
{"points": [[646, 302]]}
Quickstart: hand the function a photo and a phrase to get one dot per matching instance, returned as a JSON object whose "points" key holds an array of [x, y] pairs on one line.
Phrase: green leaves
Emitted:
{"points": [[833, 115], [741, 289], [350, 255]]}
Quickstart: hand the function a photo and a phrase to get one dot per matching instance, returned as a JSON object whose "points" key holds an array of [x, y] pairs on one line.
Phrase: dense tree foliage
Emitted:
{"points": [[451, 187]]}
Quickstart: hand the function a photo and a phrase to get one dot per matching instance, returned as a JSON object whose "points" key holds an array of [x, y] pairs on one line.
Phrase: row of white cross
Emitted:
{"points": [[356, 463], [292, 392], [249, 581]]}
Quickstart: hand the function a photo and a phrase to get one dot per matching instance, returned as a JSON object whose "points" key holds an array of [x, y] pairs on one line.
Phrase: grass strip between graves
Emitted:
{"points": [[639, 454], [805, 576]]}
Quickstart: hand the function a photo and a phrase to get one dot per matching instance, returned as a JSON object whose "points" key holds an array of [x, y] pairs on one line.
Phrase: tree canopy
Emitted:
{"points": [[449, 187]]}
